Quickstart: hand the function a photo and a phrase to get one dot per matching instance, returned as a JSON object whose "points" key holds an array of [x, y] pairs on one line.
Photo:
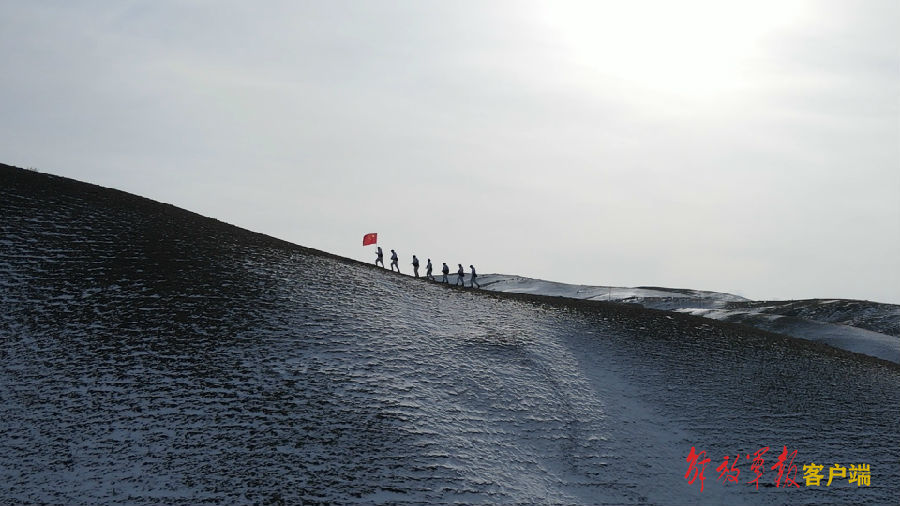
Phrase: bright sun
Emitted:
{"points": [[687, 48]]}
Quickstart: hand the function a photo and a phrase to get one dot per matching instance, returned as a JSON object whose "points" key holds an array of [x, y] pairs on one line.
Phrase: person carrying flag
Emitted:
{"points": [[379, 258]]}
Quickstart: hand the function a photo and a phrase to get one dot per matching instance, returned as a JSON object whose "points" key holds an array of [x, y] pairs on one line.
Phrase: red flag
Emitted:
{"points": [[370, 239]]}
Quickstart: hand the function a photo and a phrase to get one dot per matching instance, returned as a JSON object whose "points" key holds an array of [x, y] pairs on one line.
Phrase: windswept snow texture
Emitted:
{"points": [[859, 326], [658, 298], [152, 356]]}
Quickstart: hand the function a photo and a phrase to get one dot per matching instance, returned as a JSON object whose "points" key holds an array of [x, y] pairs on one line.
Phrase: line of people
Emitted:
{"points": [[460, 274]]}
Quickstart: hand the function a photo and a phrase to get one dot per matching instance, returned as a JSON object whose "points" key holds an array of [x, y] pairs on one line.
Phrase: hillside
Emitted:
{"points": [[854, 325], [151, 355]]}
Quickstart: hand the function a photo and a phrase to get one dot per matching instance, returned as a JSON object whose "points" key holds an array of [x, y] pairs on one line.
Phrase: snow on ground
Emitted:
{"points": [[799, 319], [520, 284], [840, 336], [152, 356]]}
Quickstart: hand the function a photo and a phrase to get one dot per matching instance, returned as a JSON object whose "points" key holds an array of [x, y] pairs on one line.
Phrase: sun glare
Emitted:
{"points": [[687, 48]]}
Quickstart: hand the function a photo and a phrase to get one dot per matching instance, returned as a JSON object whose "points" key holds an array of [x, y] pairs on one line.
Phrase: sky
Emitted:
{"points": [[746, 147]]}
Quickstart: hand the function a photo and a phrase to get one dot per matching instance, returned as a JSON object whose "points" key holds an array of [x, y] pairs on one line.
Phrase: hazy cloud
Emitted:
{"points": [[753, 148]]}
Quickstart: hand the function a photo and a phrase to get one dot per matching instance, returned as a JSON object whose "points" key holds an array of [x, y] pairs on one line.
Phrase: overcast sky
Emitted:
{"points": [[748, 147]]}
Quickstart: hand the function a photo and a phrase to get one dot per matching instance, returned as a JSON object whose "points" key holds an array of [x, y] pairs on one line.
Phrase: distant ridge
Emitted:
{"points": [[864, 327]]}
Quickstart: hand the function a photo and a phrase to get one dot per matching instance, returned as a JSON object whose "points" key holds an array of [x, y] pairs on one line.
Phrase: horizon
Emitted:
{"points": [[745, 149], [452, 274]]}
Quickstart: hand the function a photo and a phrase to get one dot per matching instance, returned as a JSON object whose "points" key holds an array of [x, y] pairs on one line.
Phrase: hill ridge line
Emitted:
{"points": [[37, 181]]}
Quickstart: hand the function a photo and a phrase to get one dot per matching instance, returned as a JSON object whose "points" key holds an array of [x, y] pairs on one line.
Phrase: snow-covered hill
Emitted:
{"points": [[654, 297], [860, 326], [149, 355]]}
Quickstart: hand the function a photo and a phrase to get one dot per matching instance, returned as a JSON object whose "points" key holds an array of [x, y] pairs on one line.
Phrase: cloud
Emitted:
{"points": [[752, 148]]}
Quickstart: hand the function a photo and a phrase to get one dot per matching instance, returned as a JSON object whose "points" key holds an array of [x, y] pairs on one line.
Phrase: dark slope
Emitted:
{"points": [[874, 316], [153, 355]]}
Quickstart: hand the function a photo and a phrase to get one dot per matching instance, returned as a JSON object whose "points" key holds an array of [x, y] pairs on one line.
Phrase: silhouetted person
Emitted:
{"points": [[415, 266], [428, 271], [394, 260], [379, 259], [474, 283], [445, 270], [461, 276]]}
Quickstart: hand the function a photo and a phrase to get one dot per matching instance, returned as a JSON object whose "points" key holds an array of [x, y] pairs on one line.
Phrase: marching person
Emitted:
{"points": [[394, 260], [474, 283], [415, 266], [428, 274], [379, 259], [445, 270], [461, 276]]}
